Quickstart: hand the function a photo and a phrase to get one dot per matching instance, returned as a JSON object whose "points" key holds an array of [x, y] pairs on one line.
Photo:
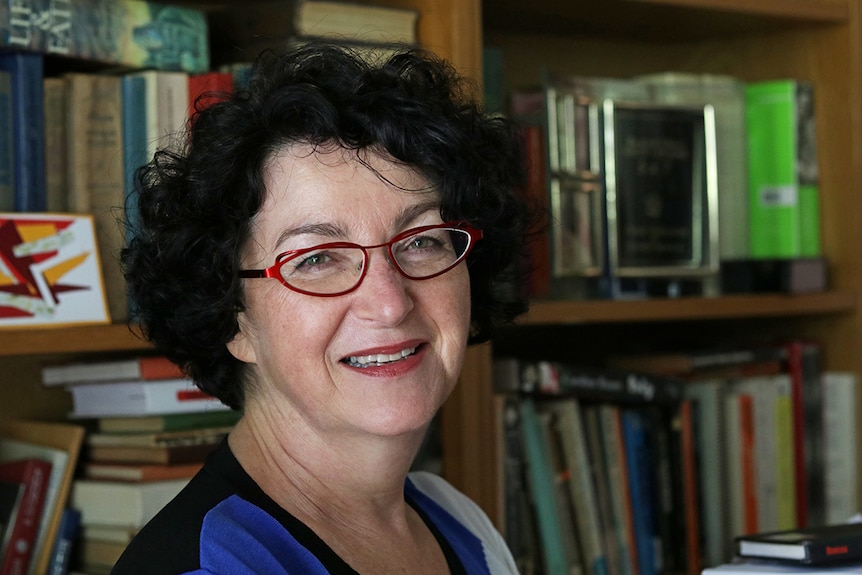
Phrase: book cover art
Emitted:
{"points": [[49, 271], [134, 33]]}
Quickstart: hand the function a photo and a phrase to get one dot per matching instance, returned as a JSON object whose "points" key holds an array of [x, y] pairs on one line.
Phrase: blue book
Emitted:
{"points": [[135, 141], [28, 129], [7, 149], [641, 488], [67, 532]]}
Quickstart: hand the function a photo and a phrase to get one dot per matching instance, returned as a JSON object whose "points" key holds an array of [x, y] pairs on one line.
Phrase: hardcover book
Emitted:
{"points": [[824, 545], [50, 273], [132, 33], [783, 175], [33, 474]]}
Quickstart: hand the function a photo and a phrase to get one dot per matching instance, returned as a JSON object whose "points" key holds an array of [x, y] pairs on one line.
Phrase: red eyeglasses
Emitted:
{"points": [[337, 268]]}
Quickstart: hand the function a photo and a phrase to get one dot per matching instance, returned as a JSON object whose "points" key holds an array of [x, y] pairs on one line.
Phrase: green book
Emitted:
{"points": [[783, 179]]}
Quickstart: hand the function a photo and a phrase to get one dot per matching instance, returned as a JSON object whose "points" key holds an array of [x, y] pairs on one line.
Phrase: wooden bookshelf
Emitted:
{"points": [[820, 40]]}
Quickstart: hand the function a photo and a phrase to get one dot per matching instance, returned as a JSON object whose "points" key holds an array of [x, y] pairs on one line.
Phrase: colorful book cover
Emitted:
{"points": [[49, 271], [133, 33], [26, 72], [783, 178]]}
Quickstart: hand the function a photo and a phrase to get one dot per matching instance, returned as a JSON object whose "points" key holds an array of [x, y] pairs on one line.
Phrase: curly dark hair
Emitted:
{"points": [[194, 206]]}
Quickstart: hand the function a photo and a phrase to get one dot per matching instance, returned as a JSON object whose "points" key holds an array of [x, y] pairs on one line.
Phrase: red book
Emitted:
{"points": [[34, 475], [690, 487], [749, 465], [536, 195], [209, 87]]}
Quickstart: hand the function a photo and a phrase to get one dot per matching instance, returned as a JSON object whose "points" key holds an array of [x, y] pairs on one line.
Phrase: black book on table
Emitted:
{"points": [[823, 545]]}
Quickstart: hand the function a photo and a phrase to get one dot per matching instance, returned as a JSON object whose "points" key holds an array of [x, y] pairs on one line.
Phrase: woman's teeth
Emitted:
{"points": [[379, 358]]}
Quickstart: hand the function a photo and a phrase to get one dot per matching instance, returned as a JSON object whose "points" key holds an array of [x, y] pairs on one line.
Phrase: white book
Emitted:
{"points": [[140, 398], [770, 567], [124, 504], [840, 445]]}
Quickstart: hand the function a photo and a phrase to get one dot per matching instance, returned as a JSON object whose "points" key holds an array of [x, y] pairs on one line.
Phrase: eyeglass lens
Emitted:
{"points": [[337, 269]]}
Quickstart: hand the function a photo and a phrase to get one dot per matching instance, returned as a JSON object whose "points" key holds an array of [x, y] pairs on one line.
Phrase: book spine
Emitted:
{"points": [[783, 179], [840, 444], [28, 128], [61, 554], [7, 144], [35, 475], [641, 486], [132, 33], [542, 487], [560, 379]]}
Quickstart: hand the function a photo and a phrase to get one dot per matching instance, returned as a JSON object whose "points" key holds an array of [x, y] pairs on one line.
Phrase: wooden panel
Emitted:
{"points": [[661, 20], [693, 308], [107, 338]]}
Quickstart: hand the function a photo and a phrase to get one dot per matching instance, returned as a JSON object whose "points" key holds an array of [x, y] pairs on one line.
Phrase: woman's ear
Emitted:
{"points": [[242, 345]]}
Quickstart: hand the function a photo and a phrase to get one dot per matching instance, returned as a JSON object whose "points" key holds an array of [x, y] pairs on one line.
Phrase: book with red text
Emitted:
{"points": [[34, 474], [140, 398], [823, 545]]}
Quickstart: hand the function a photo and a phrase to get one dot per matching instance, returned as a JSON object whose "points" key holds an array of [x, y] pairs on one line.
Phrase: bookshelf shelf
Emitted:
{"points": [[78, 339], [661, 19], [729, 307]]}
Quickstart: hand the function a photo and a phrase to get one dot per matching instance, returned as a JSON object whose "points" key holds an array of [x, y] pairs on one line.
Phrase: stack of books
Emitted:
{"points": [[150, 430]]}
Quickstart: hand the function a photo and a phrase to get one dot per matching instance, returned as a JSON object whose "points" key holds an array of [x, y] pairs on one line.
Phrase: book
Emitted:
{"points": [[804, 368], [52, 276], [840, 445], [137, 471], [707, 398], [614, 450], [167, 422], [97, 555], [11, 493], [561, 475], [642, 489], [241, 32], [207, 88], [690, 470], [7, 144], [159, 454], [823, 545], [59, 443], [56, 144], [157, 439], [538, 261], [543, 489], [26, 73], [132, 33], [783, 174], [34, 475], [692, 362], [122, 503], [67, 534], [514, 375], [95, 180], [573, 442], [140, 397], [761, 567], [142, 367]]}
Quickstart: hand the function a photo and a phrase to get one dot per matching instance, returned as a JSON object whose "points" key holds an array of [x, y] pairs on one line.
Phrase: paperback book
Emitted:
{"points": [[824, 545]]}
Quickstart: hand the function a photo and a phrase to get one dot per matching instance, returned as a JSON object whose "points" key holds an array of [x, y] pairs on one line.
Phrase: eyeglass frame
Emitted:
{"points": [[274, 271]]}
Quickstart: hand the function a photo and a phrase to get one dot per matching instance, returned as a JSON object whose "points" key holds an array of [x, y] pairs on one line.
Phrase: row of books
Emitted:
{"points": [[621, 471], [672, 183], [71, 137], [149, 430]]}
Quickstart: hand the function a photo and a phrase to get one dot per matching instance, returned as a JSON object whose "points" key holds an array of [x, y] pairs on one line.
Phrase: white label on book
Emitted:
{"points": [[779, 196]]}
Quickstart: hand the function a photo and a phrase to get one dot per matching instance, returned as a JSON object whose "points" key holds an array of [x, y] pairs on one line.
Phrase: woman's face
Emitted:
{"points": [[301, 346]]}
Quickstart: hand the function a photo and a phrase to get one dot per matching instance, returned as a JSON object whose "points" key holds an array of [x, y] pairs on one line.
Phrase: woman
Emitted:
{"points": [[318, 257]]}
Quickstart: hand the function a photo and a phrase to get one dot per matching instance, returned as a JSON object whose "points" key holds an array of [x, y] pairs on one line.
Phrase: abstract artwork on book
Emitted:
{"points": [[49, 271]]}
